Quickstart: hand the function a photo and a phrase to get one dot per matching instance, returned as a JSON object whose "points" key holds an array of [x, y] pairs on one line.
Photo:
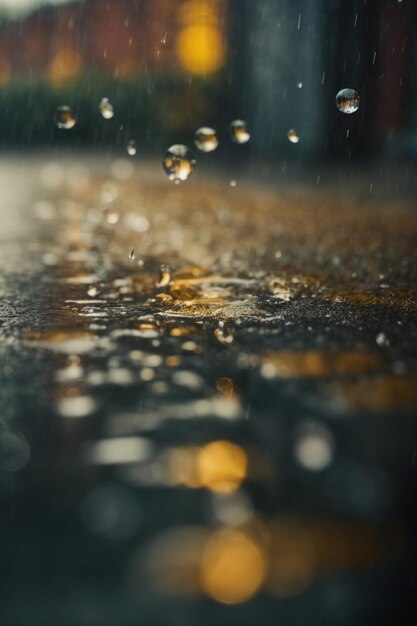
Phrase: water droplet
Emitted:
{"points": [[293, 136], [239, 131], [382, 340], [223, 334], [132, 255], [348, 101], [300, 85], [93, 291], [65, 117], [206, 139], [112, 216], [164, 277], [131, 148], [178, 163], [106, 109], [233, 183]]}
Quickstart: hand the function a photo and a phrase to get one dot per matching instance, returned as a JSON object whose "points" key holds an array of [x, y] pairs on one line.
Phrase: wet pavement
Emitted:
{"points": [[208, 397]]}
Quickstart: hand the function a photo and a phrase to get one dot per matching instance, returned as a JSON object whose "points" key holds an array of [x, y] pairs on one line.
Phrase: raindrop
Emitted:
{"points": [[206, 139], [239, 131], [300, 85], [112, 216], [348, 101], [178, 163], [382, 340], [233, 183], [164, 276], [65, 117], [131, 148], [93, 291], [106, 109], [132, 255], [293, 136], [223, 334]]}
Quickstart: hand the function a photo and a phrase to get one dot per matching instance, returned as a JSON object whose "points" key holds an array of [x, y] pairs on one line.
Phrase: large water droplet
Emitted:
{"points": [[239, 131], [106, 109], [206, 139], [348, 101], [65, 117], [293, 136], [178, 163], [131, 148], [164, 276]]}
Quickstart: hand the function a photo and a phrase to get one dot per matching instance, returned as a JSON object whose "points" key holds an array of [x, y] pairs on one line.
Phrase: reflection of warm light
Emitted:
{"points": [[233, 567], [226, 386], [65, 65], [222, 466], [317, 363], [200, 45]]}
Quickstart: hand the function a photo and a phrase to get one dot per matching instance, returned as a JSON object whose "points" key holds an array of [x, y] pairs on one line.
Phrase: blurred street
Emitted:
{"points": [[208, 394]]}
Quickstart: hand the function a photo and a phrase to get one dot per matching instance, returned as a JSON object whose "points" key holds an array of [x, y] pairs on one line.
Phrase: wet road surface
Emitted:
{"points": [[208, 398]]}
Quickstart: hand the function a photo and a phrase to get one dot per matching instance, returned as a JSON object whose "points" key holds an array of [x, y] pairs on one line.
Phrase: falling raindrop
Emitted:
{"points": [[382, 340], [348, 101], [93, 291], [164, 276], [179, 163], [112, 216], [132, 255], [106, 109], [131, 148], [293, 136], [206, 139], [300, 85], [223, 334], [239, 131], [233, 183], [65, 117]]}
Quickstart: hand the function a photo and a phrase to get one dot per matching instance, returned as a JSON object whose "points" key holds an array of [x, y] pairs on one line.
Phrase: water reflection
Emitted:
{"points": [[207, 407]]}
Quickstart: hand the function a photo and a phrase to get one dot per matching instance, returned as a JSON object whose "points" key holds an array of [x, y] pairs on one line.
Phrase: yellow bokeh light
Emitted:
{"points": [[222, 466], [65, 65], [201, 49], [233, 567]]}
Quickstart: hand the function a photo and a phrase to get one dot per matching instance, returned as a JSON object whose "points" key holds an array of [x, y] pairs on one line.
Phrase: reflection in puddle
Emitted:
{"points": [[313, 363], [210, 383]]}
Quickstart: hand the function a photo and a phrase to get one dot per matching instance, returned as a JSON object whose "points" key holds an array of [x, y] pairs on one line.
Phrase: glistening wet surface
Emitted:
{"points": [[208, 399]]}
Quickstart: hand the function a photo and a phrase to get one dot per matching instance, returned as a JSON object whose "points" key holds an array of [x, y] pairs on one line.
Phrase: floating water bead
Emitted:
{"points": [[178, 163], [239, 131], [65, 117], [348, 101], [206, 139]]}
